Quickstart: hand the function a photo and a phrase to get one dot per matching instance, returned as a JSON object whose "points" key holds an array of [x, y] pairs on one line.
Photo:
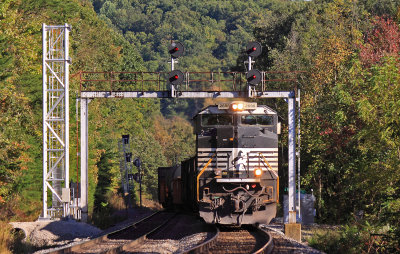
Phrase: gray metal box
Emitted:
{"points": [[307, 210], [65, 195]]}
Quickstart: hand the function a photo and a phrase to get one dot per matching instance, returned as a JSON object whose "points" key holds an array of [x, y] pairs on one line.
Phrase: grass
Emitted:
{"points": [[11, 241], [324, 239], [352, 238], [5, 237]]}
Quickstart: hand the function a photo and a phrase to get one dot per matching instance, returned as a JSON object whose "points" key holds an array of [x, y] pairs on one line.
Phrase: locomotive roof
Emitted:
{"points": [[261, 109]]}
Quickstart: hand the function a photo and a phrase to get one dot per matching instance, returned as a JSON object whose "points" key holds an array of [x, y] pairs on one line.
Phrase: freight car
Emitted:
{"points": [[233, 178]]}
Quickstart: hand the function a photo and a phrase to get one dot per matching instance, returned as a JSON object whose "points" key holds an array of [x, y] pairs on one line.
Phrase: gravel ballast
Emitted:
{"points": [[55, 232], [49, 234]]}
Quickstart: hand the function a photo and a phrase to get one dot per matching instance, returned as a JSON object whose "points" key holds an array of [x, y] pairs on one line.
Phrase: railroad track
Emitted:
{"points": [[178, 234], [242, 240], [167, 233], [182, 234], [115, 242]]}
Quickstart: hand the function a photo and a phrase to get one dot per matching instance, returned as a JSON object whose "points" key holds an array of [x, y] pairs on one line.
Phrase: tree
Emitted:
{"points": [[383, 40]]}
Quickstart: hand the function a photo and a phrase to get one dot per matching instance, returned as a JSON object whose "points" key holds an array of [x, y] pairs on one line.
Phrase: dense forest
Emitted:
{"points": [[350, 126]]}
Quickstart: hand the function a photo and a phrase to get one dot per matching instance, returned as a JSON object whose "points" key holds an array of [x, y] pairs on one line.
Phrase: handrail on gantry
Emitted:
{"points": [[193, 81]]}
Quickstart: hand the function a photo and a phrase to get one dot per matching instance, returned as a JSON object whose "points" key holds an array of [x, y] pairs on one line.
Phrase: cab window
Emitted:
{"points": [[218, 119], [265, 120]]}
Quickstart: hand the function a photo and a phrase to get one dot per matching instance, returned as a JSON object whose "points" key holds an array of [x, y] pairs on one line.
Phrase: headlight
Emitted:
{"points": [[237, 106], [258, 172]]}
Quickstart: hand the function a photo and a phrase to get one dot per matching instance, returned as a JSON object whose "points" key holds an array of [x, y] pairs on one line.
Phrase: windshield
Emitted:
{"points": [[218, 119], [257, 120]]}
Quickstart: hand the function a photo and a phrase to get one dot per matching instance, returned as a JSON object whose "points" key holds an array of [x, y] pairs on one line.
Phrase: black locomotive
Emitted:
{"points": [[233, 179]]}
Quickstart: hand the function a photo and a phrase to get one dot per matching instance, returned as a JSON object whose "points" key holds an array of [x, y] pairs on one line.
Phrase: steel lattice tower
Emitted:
{"points": [[56, 120]]}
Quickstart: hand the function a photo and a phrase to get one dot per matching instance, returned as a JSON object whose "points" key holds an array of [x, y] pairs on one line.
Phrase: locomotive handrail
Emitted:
{"points": [[277, 177], [201, 172], [266, 162]]}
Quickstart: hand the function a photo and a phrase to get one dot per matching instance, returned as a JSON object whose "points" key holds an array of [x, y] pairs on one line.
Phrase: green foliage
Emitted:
{"points": [[381, 8], [355, 238], [213, 32], [350, 128], [94, 46], [177, 135], [103, 185], [15, 118]]}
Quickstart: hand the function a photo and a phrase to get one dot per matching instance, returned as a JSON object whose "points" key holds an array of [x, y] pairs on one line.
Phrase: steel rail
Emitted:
{"points": [[205, 246], [245, 240], [268, 246], [128, 246], [79, 247]]}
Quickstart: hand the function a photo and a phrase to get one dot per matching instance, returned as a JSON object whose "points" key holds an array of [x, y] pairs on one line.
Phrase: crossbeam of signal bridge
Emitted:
{"points": [[182, 94], [194, 84]]}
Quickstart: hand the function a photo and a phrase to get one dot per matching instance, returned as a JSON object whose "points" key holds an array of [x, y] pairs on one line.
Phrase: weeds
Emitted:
{"points": [[5, 237], [355, 238]]}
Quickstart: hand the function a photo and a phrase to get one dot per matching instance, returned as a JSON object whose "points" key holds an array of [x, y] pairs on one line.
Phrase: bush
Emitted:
{"points": [[356, 238]]}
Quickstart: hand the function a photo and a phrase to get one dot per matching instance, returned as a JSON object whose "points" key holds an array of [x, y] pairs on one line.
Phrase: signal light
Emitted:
{"points": [[136, 177], [175, 77], [128, 157], [125, 139], [258, 172], [253, 77], [253, 49], [176, 49]]}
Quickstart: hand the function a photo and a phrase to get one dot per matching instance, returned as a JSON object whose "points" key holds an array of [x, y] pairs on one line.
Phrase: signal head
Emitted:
{"points": [[125, 138], [253, 77], [175, 77], [176, 49], [128, 157], [136, 177], [137, 162], [254, 49]]}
